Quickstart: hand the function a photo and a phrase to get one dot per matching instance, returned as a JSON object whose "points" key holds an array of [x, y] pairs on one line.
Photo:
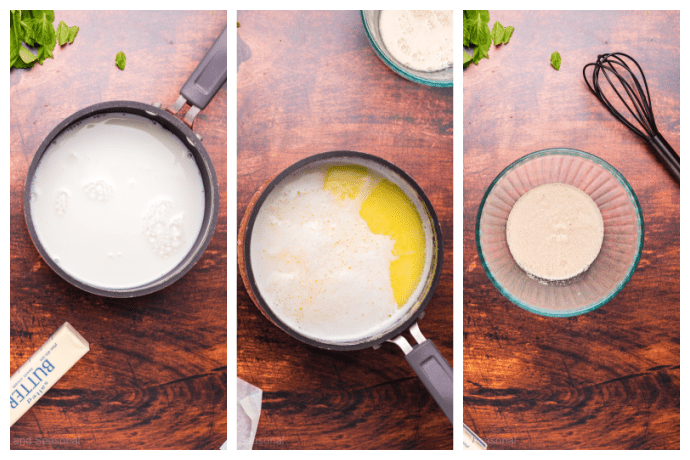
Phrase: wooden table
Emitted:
{"points": [[309, 82], [609, 379], [156, 375]]}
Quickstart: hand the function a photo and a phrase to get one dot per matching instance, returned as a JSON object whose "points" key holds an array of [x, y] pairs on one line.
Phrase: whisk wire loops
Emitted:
{"points": [[616, 69]]}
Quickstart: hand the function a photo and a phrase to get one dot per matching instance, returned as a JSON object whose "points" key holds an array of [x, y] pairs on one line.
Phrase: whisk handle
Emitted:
{"points": [[666, 154]]}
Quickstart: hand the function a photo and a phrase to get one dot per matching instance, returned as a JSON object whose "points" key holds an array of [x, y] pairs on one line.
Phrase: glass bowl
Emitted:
{"points": [[440, 78], [620, 251]]}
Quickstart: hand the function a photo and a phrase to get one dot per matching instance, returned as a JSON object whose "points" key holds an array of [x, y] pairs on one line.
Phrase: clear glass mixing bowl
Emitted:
{"points": [[440, 78], [620, 251]]}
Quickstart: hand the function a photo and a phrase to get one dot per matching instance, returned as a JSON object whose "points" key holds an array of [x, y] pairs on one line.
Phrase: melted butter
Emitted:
{"points": [[345, 181], [387, 211]]}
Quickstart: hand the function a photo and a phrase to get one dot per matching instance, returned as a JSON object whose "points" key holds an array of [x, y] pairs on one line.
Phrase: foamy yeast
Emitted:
{"points": [[420, 40], [555, 231], [320, 267], [117, 201]]}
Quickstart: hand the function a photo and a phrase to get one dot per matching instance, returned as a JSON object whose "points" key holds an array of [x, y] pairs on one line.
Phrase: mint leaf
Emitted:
{"points": [[62, 33], [507, 34], [121, 60], [556, 60], [14, 46], [26, 56], [480, 52], [466, 58], [476, 34], [72, 34], [35, 29], [42, 30], [19, 21], [497, 33], [45, 51], [19, 64], [476, 27], [481, 35], [480, 15], [47, 15], [43, 33]]}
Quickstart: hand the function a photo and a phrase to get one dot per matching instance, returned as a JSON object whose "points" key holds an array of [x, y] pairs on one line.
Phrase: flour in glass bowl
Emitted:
{"points": [[420, 40], [555, 231]]}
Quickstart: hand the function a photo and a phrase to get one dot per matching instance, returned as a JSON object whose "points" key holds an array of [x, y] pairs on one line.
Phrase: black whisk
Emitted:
{"points": [[613, 66]]}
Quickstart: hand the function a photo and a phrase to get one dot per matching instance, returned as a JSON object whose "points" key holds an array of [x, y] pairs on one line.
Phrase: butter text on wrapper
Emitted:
{"points": [[36, 376]]}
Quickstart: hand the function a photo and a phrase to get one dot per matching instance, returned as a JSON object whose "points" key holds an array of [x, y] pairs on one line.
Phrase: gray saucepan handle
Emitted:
{"points": [[431, 368], [209, 75], [436, 374]]}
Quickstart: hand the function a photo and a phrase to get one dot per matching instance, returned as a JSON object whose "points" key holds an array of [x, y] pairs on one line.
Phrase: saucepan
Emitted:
{"points": [[199, 89], [424, 357]]}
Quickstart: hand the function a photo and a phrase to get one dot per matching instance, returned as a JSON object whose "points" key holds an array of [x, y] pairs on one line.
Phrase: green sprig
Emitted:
{"points": [[556, 60], [34, 28], [476, 33], [121, 60]]}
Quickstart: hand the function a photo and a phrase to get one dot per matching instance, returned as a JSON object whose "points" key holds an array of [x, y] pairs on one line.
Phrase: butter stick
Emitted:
{"points": [[36, 376]]}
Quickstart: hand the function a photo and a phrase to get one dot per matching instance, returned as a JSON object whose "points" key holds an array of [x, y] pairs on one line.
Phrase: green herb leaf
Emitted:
{"points": [[556, 60], [20, 22], [480, 52], [47, 15], [121, 60], [19, 64], [42, 30], [476, 34], [35, 29], [466, 58], [482, 35], [478, 29], [497, 33], [465, 33], [14, 46], [507, 34], [62, 33], [238, 24], [481, 15], [26, 56], [72, 34], [45, 51]]}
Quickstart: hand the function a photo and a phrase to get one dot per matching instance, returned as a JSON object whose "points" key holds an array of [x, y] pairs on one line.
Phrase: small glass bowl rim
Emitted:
{"points": [[396, 68], [631, 195]]}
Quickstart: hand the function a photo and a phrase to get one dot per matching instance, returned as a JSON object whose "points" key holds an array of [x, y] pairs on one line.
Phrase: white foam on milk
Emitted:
{"points": [[318, 265], [117, 201], [421, 40]]}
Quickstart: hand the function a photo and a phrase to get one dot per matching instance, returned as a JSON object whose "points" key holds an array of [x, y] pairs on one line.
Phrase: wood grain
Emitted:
{"points": [[309, 82], [609, 379], [156, 375]]}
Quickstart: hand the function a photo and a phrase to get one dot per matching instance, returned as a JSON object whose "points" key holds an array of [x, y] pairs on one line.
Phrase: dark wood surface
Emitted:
{"points": [[309, 82], [609, 379], [156, 375]]}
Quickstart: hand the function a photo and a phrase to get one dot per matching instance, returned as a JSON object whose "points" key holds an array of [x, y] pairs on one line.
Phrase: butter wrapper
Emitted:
{"points": [[36, 376], [470, 441]]}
